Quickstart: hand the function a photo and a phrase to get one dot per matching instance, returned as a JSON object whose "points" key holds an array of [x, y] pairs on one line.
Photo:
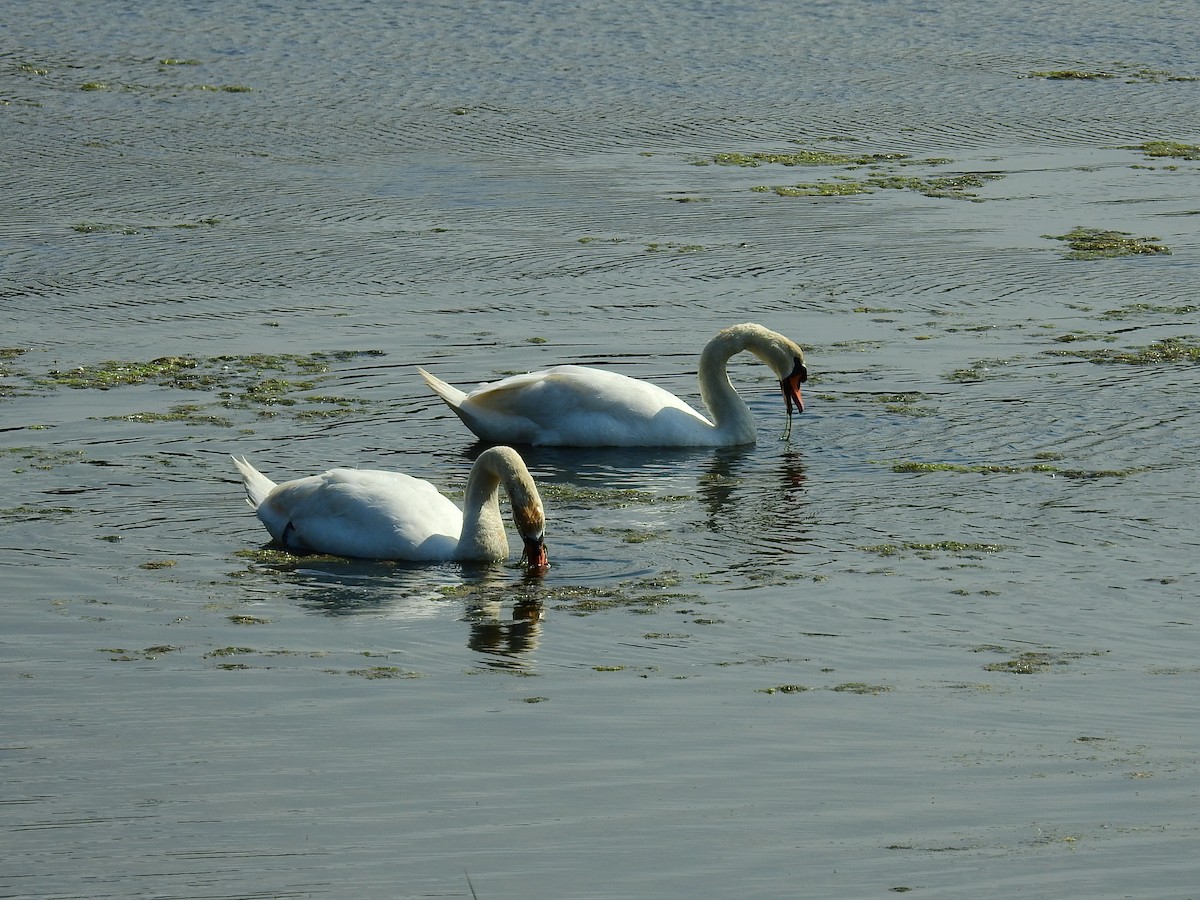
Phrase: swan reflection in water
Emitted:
{"points": [[480, 594], [732, 491], [760, 494], [509, 640]]}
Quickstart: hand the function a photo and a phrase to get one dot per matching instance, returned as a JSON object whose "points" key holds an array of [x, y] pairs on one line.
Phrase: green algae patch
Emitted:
{"points": [[671, 247], [1130, 74], [179, 371], [260, 383], [642, 596], [979, 370], [817, 189], [639, 596], [860, 687], [1168, 351], [619, 498], [1098, 243], [271, 391], [268, 556], [800, 158], [104, 228], [1041, 468], [228, 651], [909, 409], [122, 655], [1073, 75], [1028, 663], [783, 689], [187, 413], [961, 186], [627, 535], [376, 673], [958, 186], [1139, 310], [1088, 474], [583, 601], [281, 560], [225, 88], [594, 240], [907, 398], [16, 514], [1167, 149], [115, 228], [953, 187], [1073, 336], [977, 469], [248, 620], [956, 547], [114, 373], [159, 564], [42, 458], [1032, 662]]}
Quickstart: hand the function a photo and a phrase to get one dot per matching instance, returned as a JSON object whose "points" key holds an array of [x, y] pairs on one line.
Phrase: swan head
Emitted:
{"points": [[783, 355], [790, 384], [530, 520]]}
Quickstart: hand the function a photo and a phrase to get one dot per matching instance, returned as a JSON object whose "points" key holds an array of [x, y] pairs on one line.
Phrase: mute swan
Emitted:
{"points": [[389, 515], [577, 406]]}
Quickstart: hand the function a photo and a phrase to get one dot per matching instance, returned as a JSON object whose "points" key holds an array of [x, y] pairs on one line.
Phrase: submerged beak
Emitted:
{"points": [[791, 388], [535, 555]]}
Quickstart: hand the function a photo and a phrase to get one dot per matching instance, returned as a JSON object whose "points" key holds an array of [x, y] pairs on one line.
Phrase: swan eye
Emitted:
{"points": [[800, 370]]}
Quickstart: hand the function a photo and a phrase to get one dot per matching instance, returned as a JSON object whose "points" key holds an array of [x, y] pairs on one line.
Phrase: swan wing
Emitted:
{"points": [[580, 406], [364, 513]]}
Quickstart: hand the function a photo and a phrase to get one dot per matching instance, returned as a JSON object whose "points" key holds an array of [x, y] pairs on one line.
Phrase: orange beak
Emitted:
{"points": [[791, 387], [535, 555]]}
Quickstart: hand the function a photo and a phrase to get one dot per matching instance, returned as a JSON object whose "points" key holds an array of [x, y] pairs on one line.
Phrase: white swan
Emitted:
{"points": [[577, 406], [389, 515]]}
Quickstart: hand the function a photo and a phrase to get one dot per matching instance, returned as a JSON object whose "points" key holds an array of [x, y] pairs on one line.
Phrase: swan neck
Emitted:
{"points": [[728, 410], [483, 526], [483, 535]]}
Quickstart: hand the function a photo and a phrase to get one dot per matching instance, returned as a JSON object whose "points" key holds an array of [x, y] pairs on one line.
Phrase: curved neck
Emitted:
{"points": [[483, 535], [729, 411]]}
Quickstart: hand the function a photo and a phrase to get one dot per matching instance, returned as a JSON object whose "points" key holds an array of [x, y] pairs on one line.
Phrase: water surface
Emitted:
{"points": [[939, 642]]}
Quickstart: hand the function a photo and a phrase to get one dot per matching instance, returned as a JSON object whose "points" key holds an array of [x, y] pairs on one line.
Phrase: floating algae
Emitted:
{"points": [[1097, 243], [1166, 351]]}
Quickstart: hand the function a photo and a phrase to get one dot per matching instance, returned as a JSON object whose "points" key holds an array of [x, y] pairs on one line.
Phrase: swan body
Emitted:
{"points": [[373, 514], [579, 406]]}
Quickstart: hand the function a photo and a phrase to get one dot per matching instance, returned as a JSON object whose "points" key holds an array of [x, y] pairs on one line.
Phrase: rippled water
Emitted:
{"points": [[941, 641]]}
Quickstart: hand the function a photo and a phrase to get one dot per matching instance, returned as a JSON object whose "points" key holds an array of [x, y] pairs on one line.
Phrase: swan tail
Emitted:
{"points": [[256, 483], [486, 422], [448, 392]]}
